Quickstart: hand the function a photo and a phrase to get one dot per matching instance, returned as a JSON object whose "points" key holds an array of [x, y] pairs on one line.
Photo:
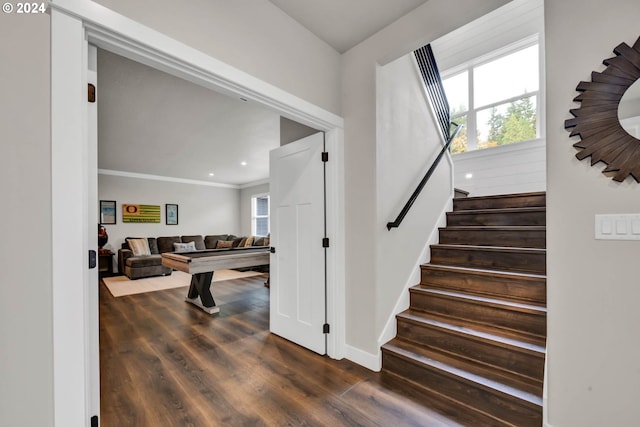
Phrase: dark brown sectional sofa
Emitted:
{"points": [[139, 266]]}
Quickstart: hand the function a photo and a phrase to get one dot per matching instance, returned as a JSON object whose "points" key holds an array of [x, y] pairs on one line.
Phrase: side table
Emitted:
{"points": [[105, 263]]}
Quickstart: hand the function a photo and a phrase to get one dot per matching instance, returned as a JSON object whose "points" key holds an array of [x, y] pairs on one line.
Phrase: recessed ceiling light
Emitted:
{"points": [[469, 176], [211, 173], [243, 163]]}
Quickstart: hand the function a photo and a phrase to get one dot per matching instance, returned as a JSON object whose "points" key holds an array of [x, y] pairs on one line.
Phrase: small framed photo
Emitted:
{"points": [[171, 212], [107, 211]]}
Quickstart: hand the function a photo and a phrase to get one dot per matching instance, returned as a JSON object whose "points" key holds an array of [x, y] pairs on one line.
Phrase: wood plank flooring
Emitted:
{"points": [[164, 363]]}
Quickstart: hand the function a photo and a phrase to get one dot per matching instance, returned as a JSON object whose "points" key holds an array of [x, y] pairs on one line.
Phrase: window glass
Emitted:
{"points": [[507, 77], [260, 215], [507, 123], [496, 101], [459, 144], [457, 90], [262, 206]]}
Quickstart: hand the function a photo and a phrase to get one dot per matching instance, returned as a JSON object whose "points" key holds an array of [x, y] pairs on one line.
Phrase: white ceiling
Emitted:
{"points": [[150, 122], [345, 23]]}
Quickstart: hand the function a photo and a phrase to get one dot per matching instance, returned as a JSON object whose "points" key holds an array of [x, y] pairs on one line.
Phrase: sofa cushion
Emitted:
{"points": [[153, 245], [198, 240], [165, 244], [144, 261], [184, 247], [258, 241], [223, 244], [211, 241], [236, 242], [249, 241], [139, 246]]}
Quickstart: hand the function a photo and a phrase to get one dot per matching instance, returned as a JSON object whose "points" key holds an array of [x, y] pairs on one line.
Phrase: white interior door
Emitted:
{"points": [[297, 274]]}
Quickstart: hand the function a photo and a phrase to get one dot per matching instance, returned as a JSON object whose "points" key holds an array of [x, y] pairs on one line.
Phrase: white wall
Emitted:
{"points": [[251, 35], [26, 337], [245, 205], [593, 286], [202, 209], [425, 24], [507, 169], [408, 141]]}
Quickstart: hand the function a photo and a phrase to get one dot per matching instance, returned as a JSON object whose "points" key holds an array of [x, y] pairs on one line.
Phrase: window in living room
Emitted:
{"points": [[260, 215], [496, 97]]}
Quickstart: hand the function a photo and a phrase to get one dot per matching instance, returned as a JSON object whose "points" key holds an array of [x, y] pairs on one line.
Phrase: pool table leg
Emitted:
{"points": [[200, 287]]}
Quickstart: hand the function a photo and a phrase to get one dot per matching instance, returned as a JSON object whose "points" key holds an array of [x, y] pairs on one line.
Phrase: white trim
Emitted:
{"points": [[336, 294], [165, 178], [73, 23], [362, 358], [502, 149], [254, 183], [68, 219]]}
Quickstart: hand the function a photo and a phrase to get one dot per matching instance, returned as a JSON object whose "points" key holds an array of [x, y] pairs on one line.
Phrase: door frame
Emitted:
{"points": [[75, 24]]}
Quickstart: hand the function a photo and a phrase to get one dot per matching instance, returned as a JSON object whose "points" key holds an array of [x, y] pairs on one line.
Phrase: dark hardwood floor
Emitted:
{"points": [[164, 363]]}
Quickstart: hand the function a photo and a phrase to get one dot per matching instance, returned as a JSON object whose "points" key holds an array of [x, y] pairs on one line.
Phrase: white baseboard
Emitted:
{"points": [[363, 358]]}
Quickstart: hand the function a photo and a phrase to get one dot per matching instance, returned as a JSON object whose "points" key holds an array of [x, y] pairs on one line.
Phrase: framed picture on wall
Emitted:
{"points": [[107, 211], [171, 212]]}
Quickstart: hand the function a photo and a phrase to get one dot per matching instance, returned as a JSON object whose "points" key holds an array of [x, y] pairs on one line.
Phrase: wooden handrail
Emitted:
{"points": [[424, 180]]}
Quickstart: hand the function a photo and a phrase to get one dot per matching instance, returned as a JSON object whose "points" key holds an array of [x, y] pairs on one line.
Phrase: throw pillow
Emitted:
{"points": [[184, 247], [249, 241], [139, 246], [223, 244]]}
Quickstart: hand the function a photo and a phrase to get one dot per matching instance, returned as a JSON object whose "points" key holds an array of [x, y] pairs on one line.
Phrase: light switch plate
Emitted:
{"points": [[617, 227]]}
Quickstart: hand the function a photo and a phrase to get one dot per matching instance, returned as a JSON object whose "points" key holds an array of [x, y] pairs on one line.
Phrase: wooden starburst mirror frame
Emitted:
{"points": [[596, 121]]}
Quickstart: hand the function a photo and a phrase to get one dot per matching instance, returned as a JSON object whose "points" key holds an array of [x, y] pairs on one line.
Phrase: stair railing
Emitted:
{"points": [[435, 91]]}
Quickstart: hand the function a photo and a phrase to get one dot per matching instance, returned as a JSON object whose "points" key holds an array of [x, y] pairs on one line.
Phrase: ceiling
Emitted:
{"points": [[345, 23], [181, 131], [184, 131]]}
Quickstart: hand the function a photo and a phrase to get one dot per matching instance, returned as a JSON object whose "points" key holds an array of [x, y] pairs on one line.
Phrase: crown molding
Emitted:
{"points": [[166, 178]]}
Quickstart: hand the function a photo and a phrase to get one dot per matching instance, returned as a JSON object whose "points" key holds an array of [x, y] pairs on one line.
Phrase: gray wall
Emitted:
{"points": [[26, 347], [425, 24], [593, 285], [251, 35], [202, 209]]}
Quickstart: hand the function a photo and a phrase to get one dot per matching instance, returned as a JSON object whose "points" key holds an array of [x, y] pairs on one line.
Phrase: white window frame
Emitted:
{"points": [[472, 110], [255, 216]]}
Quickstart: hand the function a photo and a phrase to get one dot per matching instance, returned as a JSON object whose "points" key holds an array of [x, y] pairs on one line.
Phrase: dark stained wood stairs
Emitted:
{"points": [[473, 340]]}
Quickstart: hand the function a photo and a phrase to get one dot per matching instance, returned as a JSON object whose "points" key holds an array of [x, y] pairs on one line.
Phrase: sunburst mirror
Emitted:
{"points": [[609, 115]]}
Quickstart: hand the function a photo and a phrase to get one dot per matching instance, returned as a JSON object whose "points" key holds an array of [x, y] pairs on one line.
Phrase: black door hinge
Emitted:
{"points": [[325, 242], [325, 328], [325, 156], [94, 421]]}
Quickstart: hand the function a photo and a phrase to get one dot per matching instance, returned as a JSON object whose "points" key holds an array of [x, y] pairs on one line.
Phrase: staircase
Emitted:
{"points": [[473, 339]]}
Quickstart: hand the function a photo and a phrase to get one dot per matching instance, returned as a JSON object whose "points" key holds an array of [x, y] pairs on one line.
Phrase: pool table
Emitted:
{"points": [[202, 264]]}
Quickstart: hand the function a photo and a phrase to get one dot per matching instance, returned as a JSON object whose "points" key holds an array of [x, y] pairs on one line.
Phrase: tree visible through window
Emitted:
{"points": [[496, 99], [260, 215]]}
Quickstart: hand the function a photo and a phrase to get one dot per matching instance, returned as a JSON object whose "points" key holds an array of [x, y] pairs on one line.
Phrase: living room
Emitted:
{"points": [[210, 153]]}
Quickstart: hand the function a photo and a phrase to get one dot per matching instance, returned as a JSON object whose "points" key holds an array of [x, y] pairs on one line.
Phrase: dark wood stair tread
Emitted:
{"points": [[510, 249], [418, 316], [469, 372], [485, 272], [510, 305], [495, 227], [498, 210]]}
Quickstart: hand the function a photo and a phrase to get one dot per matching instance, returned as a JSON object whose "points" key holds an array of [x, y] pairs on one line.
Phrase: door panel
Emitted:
{"points": [[297, 228]]}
